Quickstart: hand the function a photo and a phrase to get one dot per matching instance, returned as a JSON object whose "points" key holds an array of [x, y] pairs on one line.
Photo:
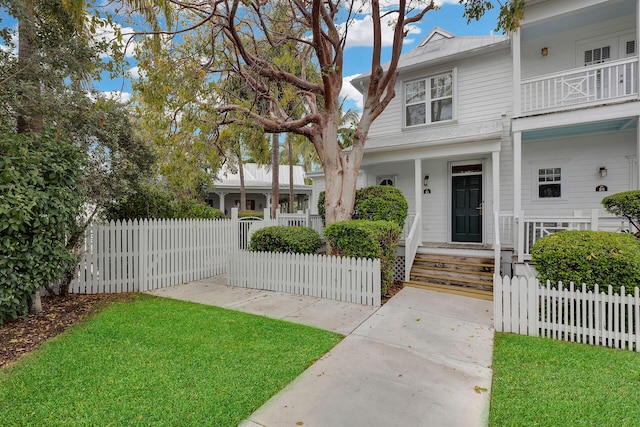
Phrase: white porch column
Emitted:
{"points": [[637, 183], [495, 164], [418, 194], [517, 73], [268, 197], [221, 196], [517, 172]]}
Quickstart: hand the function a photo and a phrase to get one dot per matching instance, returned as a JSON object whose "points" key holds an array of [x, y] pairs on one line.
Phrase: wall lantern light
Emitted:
{"points": [[544, 51], [426, 185], [602, 171]]}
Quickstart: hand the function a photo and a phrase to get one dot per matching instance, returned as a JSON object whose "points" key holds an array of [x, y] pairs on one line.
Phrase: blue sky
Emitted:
{"points": [[358, 52]]}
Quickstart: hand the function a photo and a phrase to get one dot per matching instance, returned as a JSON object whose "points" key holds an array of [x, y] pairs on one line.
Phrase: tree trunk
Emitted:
{"points": [[29, 118], [340, 172], [291, 195], [275, 173], [243, 190]]}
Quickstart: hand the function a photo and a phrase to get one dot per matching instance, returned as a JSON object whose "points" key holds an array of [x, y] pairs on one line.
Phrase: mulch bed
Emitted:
{"points": [[58, 313]]}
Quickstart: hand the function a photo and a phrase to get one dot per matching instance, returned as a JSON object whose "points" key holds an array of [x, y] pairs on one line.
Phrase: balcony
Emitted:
{"points": [[591, 85]]}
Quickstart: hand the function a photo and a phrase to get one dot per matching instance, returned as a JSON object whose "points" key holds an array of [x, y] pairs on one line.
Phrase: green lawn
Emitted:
{"points": [[158, 362], [542, 382]]}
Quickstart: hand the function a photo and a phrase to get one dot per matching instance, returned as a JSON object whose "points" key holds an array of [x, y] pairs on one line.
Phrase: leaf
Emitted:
{"points": [[480, 390]]}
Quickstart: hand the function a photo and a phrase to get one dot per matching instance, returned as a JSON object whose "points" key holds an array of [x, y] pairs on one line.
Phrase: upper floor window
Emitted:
{"points": [[429, 100]]}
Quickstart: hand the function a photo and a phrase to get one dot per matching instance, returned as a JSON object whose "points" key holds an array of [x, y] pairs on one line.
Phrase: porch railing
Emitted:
{"points": [[591, 84], [411, 243], [526, 230]]}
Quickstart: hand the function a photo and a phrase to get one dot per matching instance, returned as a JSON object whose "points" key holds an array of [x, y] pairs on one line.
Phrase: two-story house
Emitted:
{"points": [[498, 140]]}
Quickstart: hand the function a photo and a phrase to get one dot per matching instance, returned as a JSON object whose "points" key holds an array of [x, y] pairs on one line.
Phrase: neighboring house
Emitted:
{"points": [[257, 182], [498, 140]]}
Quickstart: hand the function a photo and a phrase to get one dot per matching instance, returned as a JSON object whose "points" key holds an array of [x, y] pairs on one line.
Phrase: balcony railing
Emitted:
{"points": [[594, 84]]}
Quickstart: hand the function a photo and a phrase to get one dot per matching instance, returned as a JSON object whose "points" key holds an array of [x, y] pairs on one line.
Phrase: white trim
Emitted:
{"points": [[564, 181], [428, 100], [450, 176]]}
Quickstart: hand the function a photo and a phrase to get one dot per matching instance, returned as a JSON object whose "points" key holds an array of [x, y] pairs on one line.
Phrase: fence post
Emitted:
{"points": [[267, 213]]}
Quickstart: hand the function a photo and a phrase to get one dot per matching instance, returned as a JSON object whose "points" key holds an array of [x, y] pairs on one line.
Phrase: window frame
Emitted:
{"points": [[535, 183], [428, 99]]}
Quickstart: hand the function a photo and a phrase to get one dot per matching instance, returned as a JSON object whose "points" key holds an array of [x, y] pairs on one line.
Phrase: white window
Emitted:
{"points": [[597, 55], [389, 180], [429, 100], [549, 183]]}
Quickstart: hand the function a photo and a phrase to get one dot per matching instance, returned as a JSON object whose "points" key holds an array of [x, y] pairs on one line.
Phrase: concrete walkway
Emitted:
{"points": [[423, 359]]}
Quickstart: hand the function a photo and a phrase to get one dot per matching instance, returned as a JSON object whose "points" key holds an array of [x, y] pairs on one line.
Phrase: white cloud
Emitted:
{"points": [[107, 33], [360, 32], [117, 95], [135, 73], [351, 92]]}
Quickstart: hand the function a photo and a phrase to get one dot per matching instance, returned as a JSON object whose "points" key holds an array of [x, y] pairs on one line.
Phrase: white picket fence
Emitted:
{"points": [[524, 306], [135, 256], [343, 279]]}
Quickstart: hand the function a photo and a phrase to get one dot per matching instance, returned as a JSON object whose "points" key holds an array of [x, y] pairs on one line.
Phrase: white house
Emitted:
{"points": [[498, 140], [258, 186]]}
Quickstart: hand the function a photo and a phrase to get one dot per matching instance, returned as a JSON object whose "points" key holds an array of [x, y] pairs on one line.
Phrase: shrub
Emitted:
{"points": [[283, 238], [152, 201], [192, 209], [366, 239], [39, 204], [250, 214], [591, 257], [375, 203], [626, 205], [381, 202]]}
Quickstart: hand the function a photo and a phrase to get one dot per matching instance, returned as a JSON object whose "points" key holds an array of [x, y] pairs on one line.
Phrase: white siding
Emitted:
{"points": [[483, 92], [580, 158], [563, 47]]}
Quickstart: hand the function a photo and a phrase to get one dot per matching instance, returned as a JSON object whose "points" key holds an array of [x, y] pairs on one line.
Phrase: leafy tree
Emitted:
{"points": [[40, 199], [238, 31]]}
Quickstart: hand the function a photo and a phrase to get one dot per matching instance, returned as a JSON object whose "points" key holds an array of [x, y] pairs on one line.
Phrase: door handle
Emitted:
{"points": [[481, 208]]}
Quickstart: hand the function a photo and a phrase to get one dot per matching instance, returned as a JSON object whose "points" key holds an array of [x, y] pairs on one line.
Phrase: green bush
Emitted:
{"points": [[366, 239], [626, 205], [39, 203], [375, 203], [153, 201], [192, 209], [283, 238], [381, 202], [251, 214], [591, 257]]}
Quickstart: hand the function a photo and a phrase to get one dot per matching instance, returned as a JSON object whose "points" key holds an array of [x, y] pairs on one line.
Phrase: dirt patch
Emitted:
{"points": [[393, 289], [58, 313]]}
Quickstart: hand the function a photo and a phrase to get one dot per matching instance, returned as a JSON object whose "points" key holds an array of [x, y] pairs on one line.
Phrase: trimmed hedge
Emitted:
{"points": [[250, 213], [591, 257], [192, 209], [625, 205], [284, 238], [375, 203], [366, 239]]}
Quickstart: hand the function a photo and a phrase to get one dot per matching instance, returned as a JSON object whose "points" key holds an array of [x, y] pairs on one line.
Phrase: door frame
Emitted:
{"points": [[450, 175]]}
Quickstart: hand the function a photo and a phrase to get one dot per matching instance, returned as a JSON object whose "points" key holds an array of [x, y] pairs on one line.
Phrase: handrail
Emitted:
{"points": [[411, 246], [585, 69]]}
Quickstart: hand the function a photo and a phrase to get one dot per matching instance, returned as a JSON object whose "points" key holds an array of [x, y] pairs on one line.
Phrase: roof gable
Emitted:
{"points": [[435, 34]]}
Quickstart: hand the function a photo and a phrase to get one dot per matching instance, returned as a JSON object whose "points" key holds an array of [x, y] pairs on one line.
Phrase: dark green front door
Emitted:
{"points": [[467, 208]]}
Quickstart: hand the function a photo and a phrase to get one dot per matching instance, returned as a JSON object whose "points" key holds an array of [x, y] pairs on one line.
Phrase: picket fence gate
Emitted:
{"points": [[524, 306], [140, 255], [344, 279]]}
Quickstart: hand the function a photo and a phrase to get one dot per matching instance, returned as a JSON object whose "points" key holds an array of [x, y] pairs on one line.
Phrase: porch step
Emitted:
{"points": [[464, 274], [452, 289]]}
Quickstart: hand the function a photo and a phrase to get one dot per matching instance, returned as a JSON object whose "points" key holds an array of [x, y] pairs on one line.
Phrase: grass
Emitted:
{"points": [[158, 362], [542, 382]]}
